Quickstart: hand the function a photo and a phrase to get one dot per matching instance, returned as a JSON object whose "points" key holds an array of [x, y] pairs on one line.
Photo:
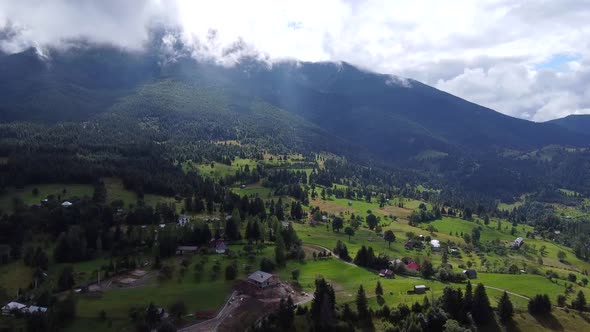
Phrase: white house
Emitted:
{"points": [[263, 279], [12, 306], [435, 245]]}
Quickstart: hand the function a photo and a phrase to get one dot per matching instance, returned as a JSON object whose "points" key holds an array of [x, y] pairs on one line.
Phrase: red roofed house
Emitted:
{"points": [[413, 266]]}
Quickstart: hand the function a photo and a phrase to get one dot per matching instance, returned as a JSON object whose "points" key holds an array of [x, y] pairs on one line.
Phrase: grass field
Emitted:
{"points": [[14, 276], [64, 191], [115, 191], [346, 280], [253, 190], [219, 170]]}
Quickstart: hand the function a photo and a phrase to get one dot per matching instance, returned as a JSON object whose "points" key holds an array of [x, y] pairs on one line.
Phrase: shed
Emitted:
{"points": [[10, 307], [413, 266], [263, 279], [181, 250], [471, 274], [420, 289], [386, 273]]}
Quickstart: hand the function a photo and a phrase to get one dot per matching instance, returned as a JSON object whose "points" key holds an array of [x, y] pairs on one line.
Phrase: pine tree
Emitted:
{"points": [[323, 304], [468, 299], [379, 289], [362, 306], [280, 256], [481, 311], [580, 302], [505, 308], [286, 313]]}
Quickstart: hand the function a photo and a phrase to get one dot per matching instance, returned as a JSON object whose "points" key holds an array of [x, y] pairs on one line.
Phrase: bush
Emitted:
{"points": [[267, 265], [231, 272]]}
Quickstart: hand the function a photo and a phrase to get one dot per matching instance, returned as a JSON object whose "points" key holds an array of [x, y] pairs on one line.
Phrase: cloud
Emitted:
{"points": [[497, 53]]}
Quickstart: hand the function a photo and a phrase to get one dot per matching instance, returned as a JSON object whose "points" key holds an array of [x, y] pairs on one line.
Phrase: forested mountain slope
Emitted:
{"points": [[577, 123], [389, 116]]}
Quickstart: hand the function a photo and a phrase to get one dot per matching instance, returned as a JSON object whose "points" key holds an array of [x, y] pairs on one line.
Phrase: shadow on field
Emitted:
{"points": [[549, 321], [584, 316], [512, 327]]}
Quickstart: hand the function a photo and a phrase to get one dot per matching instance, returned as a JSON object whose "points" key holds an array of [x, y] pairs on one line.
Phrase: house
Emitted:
{"points": [[349, 203], [517, 243], [435, 245], [386, 273], [471, 274], [285, 223], [183, 220], [409, 244], [182, 250], [324, 218], [11, 307], [263, 279], [413, 266], [221, 248], [420, 289], [66, 204], [454, 251]]}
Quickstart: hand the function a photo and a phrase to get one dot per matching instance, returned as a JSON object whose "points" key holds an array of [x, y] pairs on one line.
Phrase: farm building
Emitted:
{"points": [[413, 266], [386, 273], [471, 274], [9, 308], [263, 279], [420, 289], [435, 245], [183, 250], [517, 243]]}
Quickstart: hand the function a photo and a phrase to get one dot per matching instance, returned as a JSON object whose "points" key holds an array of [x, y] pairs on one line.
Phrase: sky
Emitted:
{"points": [[528, 59]]}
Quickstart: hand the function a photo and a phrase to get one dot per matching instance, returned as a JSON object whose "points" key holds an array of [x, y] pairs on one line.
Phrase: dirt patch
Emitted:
{"points": [[310, 249], [332, 208], [401, 213], [245, 314]]}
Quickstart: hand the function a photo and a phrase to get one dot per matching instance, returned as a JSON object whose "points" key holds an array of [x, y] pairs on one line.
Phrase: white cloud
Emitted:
{"points": [[486, 51]]}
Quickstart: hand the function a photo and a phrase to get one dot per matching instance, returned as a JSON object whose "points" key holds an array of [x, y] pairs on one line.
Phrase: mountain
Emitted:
{"points": [[389, 117], [576, 123]]}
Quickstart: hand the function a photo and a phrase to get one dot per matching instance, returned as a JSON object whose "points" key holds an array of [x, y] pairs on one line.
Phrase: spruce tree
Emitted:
{"points": [[379, 289], [280, 256], [580, 302], [468, 299], [286, 313], [481, 311], [505, 308], [362, 306]]}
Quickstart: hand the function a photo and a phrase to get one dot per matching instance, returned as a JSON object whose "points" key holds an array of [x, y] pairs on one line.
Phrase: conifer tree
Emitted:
{"points": [[362, 306], [505, 308], [481, 311], [379, 289]]}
